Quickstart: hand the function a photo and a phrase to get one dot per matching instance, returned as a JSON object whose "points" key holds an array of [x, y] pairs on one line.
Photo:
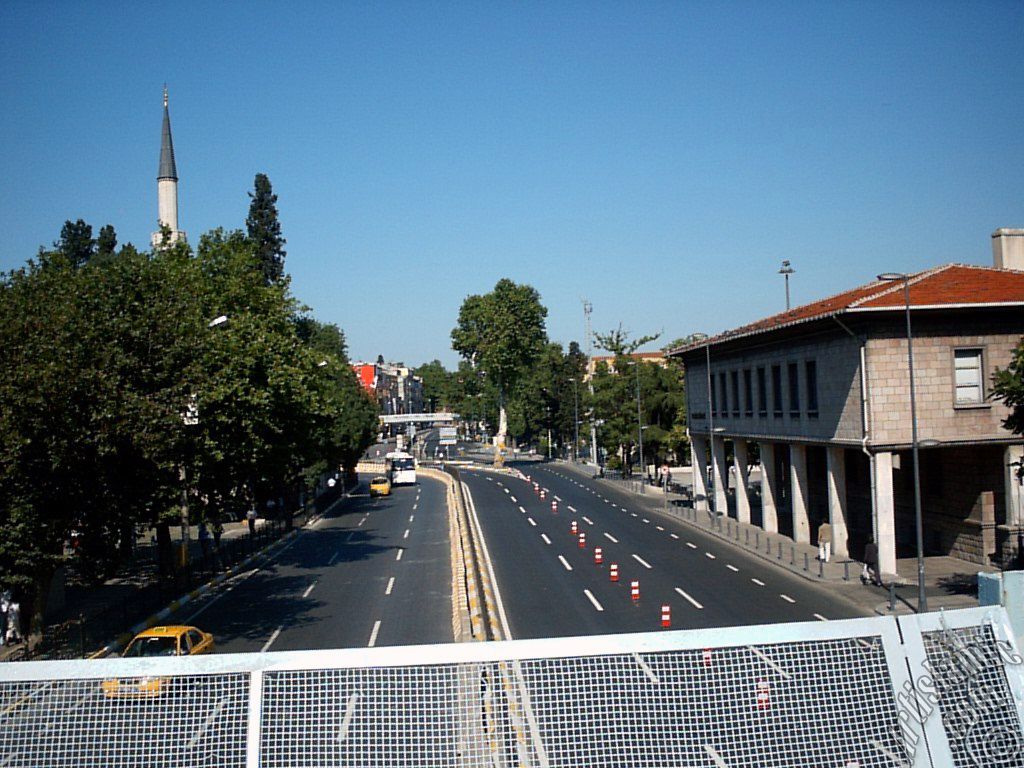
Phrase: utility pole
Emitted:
{"points": [[640, 423], [786, 271], [587, 309]]}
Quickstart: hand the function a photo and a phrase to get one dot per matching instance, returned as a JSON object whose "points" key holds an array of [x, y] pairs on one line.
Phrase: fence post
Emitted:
{"points": [[892, 595]]}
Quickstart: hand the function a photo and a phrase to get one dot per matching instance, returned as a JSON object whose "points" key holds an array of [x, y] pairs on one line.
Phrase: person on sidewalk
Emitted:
{"points": [[870, 574], [825, 542], [4, 599], [204, 541], [250, 517]]}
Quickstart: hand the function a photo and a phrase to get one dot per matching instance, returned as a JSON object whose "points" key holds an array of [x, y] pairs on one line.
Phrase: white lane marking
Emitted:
{"points": [[647, 670], [391, 585], [346, 722], [361, 522], [506, 490], [633, 514], [373, 634], [614, 506], [587, 520], [558, 498], [333, 558], [490, 479], [273, 637], [691, 545], [642, 562], [399, 556], [406, 534], [350, 536], [611, 538], [214, 713], [309, 589], [646, 520], [787, 598], [411, 518], [819, 617], [660, 527], [674, 535], [779, 670], [693, 602], [546, 539], [565, 563], [709, 556], [514, 499], [572, 508], [758, 582], [719, 762], [532, 521], [415, 507], [593, 600], [733, 568], [522, 510]]}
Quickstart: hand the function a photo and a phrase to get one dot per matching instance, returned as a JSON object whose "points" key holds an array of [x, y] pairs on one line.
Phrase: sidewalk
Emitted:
{"points": [[93, 614], [949, 582]]}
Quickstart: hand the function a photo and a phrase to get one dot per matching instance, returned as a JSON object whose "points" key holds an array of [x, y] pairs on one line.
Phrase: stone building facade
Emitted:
{"points": [[819, 396]]}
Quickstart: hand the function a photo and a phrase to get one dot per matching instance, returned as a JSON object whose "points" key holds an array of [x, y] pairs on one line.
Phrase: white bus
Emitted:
{"points": [[401, 468]]}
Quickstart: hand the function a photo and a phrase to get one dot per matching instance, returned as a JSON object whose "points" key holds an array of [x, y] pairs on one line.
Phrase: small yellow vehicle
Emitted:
{"points": [[174, 640], [380, 486]]}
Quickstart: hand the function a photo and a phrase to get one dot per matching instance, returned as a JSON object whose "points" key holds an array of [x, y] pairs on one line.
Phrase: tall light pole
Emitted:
{"points": [[576, 399], [587, 309], [711, 427], [922, 600], [640, 420], [786, 271]]}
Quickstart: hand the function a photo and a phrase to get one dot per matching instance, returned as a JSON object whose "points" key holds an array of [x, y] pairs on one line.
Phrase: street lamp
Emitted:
{"points": [[640, 423], [922, 600], [786, 271], [576, 399]]}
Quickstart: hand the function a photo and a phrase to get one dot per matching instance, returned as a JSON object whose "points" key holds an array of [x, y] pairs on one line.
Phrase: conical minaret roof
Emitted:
{"points": [[167, 167]]}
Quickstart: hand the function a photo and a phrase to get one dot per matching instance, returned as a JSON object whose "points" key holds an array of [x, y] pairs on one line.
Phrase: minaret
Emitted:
{"points": [[167, 183]]}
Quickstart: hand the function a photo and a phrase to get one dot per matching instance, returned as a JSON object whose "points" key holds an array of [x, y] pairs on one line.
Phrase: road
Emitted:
{"points": [[370, 572], [550, 587]]}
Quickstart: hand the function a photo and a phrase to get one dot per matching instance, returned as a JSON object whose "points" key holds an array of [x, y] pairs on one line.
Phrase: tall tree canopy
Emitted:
{"points": [[1008, 386], [264, 229], [502, 333]]}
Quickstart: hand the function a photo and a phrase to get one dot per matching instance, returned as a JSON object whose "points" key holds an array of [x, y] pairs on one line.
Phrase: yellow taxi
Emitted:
{"points": [[380, 486], [174, 640]]}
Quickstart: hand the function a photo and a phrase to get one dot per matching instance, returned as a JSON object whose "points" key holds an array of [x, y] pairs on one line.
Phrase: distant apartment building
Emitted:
{"points": [[658, 358], [821, 395], [393, 385]]}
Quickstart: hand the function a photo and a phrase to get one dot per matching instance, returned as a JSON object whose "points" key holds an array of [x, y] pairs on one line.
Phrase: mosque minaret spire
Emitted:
{"points": [[167, 183]]}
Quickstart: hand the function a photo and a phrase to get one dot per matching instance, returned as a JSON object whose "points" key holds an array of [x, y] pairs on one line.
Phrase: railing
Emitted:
{"points": [[931, 690]]}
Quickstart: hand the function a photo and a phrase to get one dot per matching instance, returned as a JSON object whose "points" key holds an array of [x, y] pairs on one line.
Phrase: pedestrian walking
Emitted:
{"points": [[12, 623], [250, 517], [204, 540], [870, 574], [825, 542], [4, 600]]}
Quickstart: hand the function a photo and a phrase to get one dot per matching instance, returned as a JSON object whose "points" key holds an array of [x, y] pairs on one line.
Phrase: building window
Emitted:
{"points": [[794, 390], [723, 395], [762, 399], [970, 388], [777, 391], [748, 394], [811, 382], [735, 376]]}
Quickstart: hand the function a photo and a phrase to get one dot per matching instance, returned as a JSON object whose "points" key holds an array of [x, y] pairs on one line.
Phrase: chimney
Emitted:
{"points": [[1008, 249]]}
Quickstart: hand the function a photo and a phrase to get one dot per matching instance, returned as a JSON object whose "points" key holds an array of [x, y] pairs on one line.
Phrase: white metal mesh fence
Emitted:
{"points": [[821, 694]]}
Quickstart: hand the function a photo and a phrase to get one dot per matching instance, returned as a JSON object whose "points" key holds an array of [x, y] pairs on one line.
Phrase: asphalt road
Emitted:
{"points": [[550, 587], [371, 572]]}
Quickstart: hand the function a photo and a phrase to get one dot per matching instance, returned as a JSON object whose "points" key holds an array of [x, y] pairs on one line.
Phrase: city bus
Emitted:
{"points": [[401, 468]]}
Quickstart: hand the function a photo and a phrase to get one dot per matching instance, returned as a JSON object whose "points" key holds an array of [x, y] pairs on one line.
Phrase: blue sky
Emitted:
{"points": [[660, 159]]}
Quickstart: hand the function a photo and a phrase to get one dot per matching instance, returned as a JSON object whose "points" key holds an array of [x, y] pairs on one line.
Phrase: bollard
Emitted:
{"points": [[573, 528], [583, 540], [613, 572], [634, 591], [598, 556], [554, 506], [821, 569], [746, 536], [792, 556], [892, 595], [666, 616], [846, 570], [807, 566], [780, 550], [757, 539]]}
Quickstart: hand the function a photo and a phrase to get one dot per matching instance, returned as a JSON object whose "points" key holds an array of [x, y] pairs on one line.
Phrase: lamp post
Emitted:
{"points": [[922, 600], [640, 423], [576, 399], [786, 271]]}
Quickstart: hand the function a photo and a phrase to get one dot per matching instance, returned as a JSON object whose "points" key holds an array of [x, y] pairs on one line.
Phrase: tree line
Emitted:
{"points": [[514, 380], [128, 378]]}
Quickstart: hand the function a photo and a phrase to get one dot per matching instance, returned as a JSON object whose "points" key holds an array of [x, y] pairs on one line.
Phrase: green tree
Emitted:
{"points": [[106, 243], [1008, 386], [76, 242], [440, 390], [264, 229], [501, 333]]}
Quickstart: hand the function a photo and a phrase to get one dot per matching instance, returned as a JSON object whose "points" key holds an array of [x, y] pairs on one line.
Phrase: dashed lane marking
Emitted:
{"points": [[361, 522], [733, 568], [587, 520], [787, 598], [333, 558], [819, 617], [373, 634], [522, 510], [593, 600], [399, 555], [514, 499], [611, 538], [674, 535], [691, 545], [572, 508], [309, 589], [406, 534], [660, 527], [692, 602], [273, 637], [532, 521], [709, 556], [546, 539], [391, 585], [565, 563], [642, 562], [758, 582], [411, 518]]}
